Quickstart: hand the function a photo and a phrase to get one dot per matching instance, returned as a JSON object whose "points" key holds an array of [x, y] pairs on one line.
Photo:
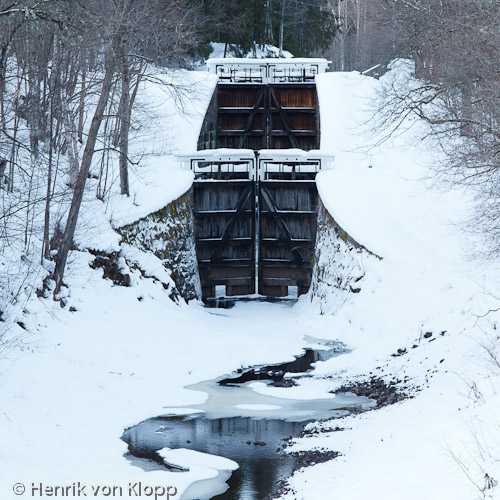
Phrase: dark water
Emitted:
{"points": [[230, 302], [261, 467], [302, 364]]}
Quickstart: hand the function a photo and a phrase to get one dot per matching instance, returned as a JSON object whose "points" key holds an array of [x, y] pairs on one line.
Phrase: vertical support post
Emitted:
{"points": [[269, 119]]}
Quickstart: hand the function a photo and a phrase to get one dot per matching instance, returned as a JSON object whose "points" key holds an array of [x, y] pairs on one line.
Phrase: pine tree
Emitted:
{"points": [[308, 25]]}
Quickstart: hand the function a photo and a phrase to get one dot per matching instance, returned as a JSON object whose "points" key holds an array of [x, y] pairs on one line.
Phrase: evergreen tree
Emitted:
{"points": [[308, 25]]}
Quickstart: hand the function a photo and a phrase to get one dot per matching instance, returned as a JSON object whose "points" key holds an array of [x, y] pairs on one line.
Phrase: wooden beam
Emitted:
{"points": [[284, 118], [240, 208], [271, 207], [250, 120]]}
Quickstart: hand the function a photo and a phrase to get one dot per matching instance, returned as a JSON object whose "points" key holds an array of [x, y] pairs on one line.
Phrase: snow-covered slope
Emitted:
{"points": [[172, 111], [422, 317], [382, 191]]}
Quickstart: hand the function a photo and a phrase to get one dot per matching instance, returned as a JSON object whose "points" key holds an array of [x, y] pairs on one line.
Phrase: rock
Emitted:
{"points": [[391, 399], [285, 382], [110, 264]]}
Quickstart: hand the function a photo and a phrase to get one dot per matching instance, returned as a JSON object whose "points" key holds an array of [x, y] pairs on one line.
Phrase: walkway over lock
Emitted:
{"points": [[267, 71], [255, 198]]}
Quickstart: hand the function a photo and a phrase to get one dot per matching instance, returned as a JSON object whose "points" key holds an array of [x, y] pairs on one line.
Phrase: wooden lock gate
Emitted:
{"points": [[255, 209], [255, 220]]}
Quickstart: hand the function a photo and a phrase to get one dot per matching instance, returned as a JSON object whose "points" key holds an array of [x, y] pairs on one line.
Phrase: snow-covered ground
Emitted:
{"points": [[173, 107], [261, 51], [423, 303], [78, 378]]}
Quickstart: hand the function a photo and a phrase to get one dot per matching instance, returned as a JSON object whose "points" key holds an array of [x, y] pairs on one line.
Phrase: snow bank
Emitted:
{"points": [[174, 108], [210, 471], [420, 318], [183, 457], [377, 192], [306, 389]]}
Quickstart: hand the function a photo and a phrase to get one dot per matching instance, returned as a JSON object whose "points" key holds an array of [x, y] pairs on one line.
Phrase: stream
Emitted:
{"points": [[247, 418]]}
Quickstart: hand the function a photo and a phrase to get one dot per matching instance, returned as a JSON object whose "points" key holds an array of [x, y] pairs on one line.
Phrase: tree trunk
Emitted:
{"points": [[140, 75], [4, 52], [13, 152], [466, 129], [3, 166], [53, 90], [46, 226], [72, 149], [124, 123], [88, 153], [3, 69], [282, 26], [83, 94]]}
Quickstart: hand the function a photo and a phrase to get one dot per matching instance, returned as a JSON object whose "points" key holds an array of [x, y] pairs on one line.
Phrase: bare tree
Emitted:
{"points": [[155, 30], [454, 45], [69, 232], [365, 35]]}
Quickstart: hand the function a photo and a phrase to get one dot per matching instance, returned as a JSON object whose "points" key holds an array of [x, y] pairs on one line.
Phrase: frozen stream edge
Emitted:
{"points": [[251, 399]]}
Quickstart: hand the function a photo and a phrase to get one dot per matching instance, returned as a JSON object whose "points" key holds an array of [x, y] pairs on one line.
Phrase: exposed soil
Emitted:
{"points": [[313, 457], [304, 459], [384, 393]]}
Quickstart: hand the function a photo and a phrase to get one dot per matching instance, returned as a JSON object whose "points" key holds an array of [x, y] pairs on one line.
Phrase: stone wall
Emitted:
{"points": [[169, 235], [338, 265]]}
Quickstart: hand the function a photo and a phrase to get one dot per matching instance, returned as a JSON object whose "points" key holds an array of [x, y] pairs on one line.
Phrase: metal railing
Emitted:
{"points": [[265, 71], [261, 165]]}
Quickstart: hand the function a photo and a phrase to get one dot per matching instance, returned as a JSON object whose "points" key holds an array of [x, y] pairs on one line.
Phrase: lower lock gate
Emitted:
{"points": [[255, 221]]}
